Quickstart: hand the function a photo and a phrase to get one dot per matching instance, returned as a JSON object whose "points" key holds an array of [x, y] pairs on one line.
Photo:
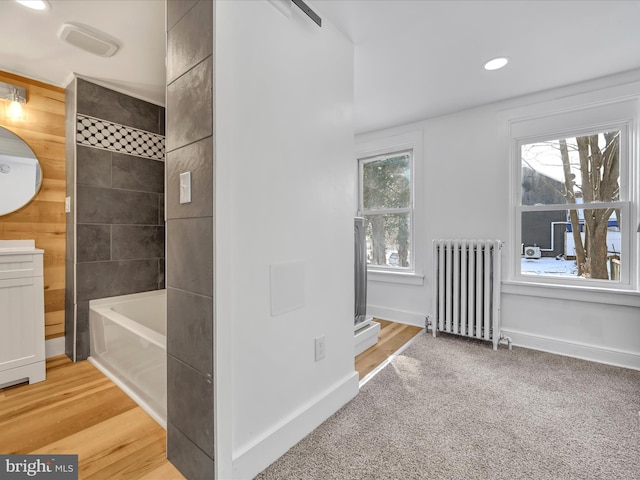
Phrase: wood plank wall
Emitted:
{"points": [[43, 129]]}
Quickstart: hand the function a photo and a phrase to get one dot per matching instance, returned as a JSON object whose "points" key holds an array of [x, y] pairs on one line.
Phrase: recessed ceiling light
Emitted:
{"points": [[34, 4], [496, 63]]}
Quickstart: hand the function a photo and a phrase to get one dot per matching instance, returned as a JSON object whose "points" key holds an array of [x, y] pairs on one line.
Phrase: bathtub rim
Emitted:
{"points": [[103, 307]]}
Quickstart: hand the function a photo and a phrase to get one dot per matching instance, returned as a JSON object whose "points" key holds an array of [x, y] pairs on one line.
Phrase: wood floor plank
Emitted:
{"points": [[166, 471], [384, 323], [131, 467], [59, 362], [392, 336], [40, 397], [77, 410], [388, 339], [392, 330], [58, 380], [33, 429], [374, 358], [108, 442]]}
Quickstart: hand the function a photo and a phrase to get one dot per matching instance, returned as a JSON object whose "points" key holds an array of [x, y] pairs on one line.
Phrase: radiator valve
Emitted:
{"points": [[427, 323], [504, 338]]}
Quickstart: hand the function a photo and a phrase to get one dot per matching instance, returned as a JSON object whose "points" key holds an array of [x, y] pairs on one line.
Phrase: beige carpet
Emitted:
{"points": [[450, 408]]}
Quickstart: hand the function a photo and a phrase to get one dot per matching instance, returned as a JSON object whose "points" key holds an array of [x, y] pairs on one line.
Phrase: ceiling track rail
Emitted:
{"points": [[307, 10]]}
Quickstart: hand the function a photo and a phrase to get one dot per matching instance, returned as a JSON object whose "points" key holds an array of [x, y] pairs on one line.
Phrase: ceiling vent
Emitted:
{"points": [[88, 39]]}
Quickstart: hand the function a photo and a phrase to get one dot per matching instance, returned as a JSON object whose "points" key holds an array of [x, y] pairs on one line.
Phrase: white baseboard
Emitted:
{"points": [[399, 316], [583, 351], [257, 456], [54, 347]]}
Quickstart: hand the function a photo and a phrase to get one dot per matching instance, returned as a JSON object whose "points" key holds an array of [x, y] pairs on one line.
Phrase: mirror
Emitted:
{"points": [[20, 173]]}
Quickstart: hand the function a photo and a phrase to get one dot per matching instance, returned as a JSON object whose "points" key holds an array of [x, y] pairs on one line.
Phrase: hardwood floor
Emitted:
{"points": [[77, 410], [392, 336]]}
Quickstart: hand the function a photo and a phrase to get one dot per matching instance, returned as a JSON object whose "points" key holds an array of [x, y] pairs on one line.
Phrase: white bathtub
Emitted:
{"points": [[128, 345]]}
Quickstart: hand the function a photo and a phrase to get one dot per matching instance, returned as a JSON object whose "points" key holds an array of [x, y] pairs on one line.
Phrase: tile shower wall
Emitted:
{"points": [[190, 305], [119, 200], [70, 267]]}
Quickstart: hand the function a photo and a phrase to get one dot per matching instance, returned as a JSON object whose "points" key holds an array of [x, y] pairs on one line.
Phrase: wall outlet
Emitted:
{"points": [[320, 348]]}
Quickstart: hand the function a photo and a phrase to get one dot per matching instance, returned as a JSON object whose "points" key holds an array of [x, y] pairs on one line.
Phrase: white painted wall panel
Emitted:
{"points": [[285, 192]]}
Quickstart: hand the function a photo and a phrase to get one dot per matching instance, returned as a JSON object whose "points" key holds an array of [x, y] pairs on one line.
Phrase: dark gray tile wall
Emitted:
{"points": [[69, 292], [192, 462], [96, 243], [69, 309], [120, 229], [176, 9], [190, 95], [190, 40], [143, 174], [113, 205], [106, 104], [96, 167], [188, 159], [83, 345], [191, 329], [191, 403], [129, 242], [190, 236], [191, 241], [108, 279]]}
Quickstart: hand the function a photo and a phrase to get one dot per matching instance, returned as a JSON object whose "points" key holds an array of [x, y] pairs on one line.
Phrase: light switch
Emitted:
{"points": [[185, 187], [67, 205]]}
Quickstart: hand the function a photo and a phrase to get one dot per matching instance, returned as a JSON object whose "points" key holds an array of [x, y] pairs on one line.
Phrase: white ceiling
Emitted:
{"points": [[29, 44], [414, 59], [419, 59]]}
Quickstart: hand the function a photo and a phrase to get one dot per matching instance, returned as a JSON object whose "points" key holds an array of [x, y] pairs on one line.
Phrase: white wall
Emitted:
{"points": [[466, 194], [284, 193]]}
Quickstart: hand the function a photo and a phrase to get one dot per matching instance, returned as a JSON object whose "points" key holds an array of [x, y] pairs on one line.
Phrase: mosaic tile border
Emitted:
{"points": [[97, 133]]}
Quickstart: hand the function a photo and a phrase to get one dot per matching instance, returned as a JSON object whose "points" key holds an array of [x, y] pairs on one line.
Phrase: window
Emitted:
{"points": [[573, 210], [386, 203]]}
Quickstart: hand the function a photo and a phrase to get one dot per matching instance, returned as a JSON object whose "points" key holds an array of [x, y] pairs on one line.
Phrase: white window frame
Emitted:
{"points": [[619, 115], [390, 211], [371, 148]]}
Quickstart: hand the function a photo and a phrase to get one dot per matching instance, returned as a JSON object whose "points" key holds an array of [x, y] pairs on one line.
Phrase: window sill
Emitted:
{"points": [[395, 277], [629, 298]]}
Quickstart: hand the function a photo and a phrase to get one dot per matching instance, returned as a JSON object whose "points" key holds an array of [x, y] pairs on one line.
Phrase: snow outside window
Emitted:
{"points": [[572, 218]]}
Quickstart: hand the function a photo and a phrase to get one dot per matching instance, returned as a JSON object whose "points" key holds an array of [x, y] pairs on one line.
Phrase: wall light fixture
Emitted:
{"points": [[17, 96]]}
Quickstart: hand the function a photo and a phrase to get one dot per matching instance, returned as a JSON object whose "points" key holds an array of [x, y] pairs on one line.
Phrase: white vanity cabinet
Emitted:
{"points": [[22, 355]]}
